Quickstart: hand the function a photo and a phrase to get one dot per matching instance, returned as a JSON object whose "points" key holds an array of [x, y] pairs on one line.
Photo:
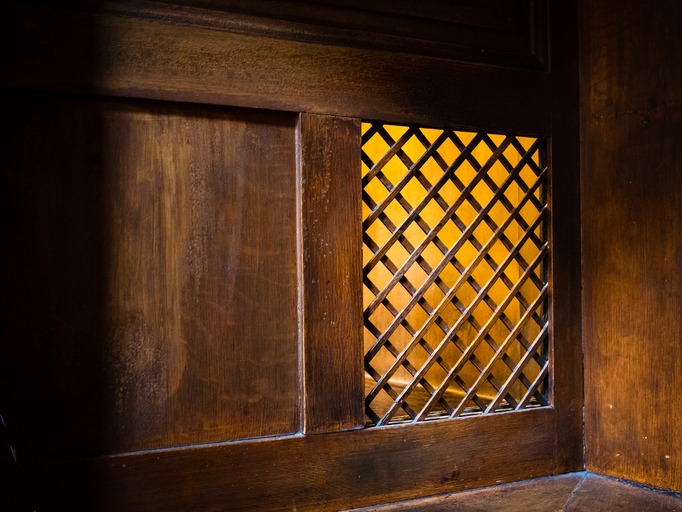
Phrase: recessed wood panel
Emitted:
{"points": [[133, 260], [152, 275]]}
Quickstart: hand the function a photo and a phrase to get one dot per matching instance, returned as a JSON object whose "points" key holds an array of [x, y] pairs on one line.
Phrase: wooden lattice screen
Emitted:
{"points": [[455, 273]]}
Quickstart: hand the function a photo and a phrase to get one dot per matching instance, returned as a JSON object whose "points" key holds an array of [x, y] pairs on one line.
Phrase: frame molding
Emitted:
{"points": [[150, 53]]}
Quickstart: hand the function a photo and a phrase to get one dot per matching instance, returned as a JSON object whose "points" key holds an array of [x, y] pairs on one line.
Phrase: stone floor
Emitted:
{"points": [[574, 492]]}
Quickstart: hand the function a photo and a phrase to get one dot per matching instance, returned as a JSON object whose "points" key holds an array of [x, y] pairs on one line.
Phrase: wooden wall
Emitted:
{"points": [[139, 301], [632, 236], [181, 184]]}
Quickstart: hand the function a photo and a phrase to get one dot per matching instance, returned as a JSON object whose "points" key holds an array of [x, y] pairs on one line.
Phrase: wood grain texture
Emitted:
{"points": [[632, 230], [508, 33], [134, 57], [318, 473], [565, 271], [152, 275], [331, 231], [132, 223]]}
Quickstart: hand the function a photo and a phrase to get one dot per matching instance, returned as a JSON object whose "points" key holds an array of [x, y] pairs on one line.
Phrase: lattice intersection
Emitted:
{"points": [[455, 273]]}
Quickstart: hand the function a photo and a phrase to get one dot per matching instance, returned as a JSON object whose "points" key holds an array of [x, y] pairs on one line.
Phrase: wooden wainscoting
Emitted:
{"points": [[183, 263]]}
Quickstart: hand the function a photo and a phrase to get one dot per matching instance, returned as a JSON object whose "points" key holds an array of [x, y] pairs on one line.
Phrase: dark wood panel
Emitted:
{"points": [[331, 233], [509, 33], [126, 56], [152, 275], [186, 54], [565, 272], [632, 229], [498, 14], [318, 473]]}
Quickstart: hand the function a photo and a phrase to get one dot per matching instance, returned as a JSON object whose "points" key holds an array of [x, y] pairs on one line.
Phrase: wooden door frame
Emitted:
{"points": [[332, 85]]}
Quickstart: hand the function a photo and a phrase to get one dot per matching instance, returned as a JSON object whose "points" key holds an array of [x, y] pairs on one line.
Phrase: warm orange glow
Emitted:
{"points": [[413, 193]]}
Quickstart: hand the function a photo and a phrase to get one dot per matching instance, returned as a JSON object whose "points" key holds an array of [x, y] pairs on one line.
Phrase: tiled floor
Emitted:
{"points": [[574, 492]]}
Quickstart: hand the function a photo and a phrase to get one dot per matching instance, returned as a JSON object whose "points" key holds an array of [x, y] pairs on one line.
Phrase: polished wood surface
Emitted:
{"points": [[162, 256], [331, 280], [632, 229], [320, 472], [153, 249], [134, 56], [565, 240], [504, 32]]}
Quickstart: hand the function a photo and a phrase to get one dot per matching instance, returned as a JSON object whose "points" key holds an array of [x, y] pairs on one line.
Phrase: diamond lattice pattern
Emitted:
{"points": [[455, 273]]}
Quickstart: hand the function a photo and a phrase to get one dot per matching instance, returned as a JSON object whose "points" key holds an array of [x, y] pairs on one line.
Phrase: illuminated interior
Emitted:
{"points": [[428, 327]]}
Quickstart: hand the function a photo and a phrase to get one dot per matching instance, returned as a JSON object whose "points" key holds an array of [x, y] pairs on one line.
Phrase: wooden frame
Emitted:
{"points": [[503, 32], [322, 472], [631, 195], [330, 234], [111, 53], [127, 56]]}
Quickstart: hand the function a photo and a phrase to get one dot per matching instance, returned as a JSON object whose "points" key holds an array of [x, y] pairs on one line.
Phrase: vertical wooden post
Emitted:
{"points": [[330, 273]]}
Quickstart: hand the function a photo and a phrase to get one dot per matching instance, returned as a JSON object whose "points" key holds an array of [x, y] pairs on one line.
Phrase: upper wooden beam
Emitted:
{"points": [[120, 55], [510, 33]]}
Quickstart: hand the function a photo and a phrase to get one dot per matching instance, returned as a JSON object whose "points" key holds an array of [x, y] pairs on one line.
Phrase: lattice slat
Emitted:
{"points": [[455, 273]]}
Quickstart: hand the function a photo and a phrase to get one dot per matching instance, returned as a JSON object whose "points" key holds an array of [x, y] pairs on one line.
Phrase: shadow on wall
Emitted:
{"points": [[52, 368]]}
